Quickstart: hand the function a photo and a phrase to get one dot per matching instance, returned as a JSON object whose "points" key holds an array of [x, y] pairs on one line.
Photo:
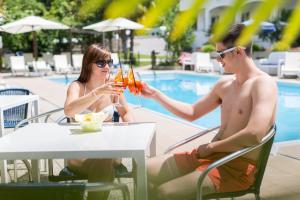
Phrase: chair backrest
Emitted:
{"points": [[68, 55], [263, 160], [45, 191], [14, 115], [48, 57], [61, 63], [274, 57], [201, 61], [7, 60], [77, 60], [115, 58], [28, 57], [17, 63], [40, 65], [292, 60]]}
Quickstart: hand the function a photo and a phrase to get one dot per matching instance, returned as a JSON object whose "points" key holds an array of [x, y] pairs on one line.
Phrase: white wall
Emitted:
{"points": [[145, 44]]}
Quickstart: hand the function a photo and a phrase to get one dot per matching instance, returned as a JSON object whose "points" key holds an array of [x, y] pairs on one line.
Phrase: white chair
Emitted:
{"points": [[7, 63], [61, 64], [18, 65], [115, 58], [290, 66], [48, 58], [77, 61], [270, 64], [185, 59], [202, 62], [41, 66]]}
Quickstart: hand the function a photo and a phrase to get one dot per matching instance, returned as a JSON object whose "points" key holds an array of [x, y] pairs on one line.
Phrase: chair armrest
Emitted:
{"points": [[191, 138], [231, 157], [46, 115]]}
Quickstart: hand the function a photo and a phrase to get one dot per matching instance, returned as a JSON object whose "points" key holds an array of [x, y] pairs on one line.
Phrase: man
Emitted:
{"points": [[248, 107]]}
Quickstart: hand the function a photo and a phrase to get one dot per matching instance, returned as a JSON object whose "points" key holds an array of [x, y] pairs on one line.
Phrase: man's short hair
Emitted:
{"points": [[233, 34]]}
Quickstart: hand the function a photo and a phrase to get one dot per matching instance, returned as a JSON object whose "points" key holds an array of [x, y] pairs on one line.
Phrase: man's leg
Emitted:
{"points": [[159, 170], [184, 187]]}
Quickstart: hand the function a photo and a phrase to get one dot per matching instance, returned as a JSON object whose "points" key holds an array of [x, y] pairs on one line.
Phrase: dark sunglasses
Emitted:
{"points": [[102, 63], [221, 54]]}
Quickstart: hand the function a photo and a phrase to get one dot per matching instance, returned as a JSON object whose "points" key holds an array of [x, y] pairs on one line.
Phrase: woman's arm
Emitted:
{"points": [[124, 111], [75, 104]]}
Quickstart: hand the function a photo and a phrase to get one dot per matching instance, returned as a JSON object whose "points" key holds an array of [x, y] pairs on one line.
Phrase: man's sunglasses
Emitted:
{"points": [[221, 54], [102, 63]]}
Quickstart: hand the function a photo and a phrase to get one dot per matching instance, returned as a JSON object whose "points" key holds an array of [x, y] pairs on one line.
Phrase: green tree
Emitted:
{"points": [[182, 44]]}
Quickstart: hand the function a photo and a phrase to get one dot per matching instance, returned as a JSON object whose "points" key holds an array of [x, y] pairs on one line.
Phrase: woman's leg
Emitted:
{"points": [[97, 170]]}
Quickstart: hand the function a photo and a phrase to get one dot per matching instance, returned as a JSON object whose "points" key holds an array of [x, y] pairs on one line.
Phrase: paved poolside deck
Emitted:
{"points": [[282, 177]]}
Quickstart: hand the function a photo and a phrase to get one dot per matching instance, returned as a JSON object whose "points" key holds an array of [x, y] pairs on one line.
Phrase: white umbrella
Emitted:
{"points": [[32, 24], [114, 25]]}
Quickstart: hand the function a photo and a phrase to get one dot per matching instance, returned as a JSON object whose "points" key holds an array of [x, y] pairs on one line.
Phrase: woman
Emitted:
{"points": [[91, 92]]}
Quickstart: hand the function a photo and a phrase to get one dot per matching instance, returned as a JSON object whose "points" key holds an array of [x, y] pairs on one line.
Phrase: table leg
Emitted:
{"points": [[1, 123], [152, 147], [4, 174], [141, 179], [36, 109], [35, 170]]}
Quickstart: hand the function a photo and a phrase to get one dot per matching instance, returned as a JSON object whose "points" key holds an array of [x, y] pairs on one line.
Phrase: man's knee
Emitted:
{"points": [[165, 193]]}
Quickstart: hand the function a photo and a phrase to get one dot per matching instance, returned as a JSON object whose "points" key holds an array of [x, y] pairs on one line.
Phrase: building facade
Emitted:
{"points": [[213, 9]]}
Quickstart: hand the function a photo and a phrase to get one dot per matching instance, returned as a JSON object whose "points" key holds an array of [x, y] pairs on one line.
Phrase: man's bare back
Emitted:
{"points": [[236, 105]]}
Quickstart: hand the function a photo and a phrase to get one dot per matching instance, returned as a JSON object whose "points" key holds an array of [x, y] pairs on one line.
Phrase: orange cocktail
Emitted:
{"points": [[134, 86], [120, 79]]}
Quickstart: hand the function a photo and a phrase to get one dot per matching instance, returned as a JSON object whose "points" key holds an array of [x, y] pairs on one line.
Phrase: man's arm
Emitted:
{"points": [[264, 99], [187, 111]]}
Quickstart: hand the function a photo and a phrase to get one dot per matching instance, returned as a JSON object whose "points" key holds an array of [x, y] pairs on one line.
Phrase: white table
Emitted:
{"points": [[11, 101], [51, 141]]}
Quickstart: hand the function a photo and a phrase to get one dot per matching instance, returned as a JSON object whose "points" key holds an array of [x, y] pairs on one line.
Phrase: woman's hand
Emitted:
{"points": [[109, 88], [148, 91]]}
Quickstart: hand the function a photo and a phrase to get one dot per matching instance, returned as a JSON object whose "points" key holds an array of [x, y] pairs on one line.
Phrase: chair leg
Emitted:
{"points": [[15, 172], [28, 166], [257, 197]]}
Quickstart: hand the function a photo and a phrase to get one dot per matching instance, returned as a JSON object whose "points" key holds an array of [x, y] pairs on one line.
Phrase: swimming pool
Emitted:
{"points": [[190, 87]]}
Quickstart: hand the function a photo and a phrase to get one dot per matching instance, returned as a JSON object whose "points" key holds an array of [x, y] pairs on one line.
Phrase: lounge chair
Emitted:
{"points": [[265, 148], [41, 67], [57, 191], [48, 58], [290, 66], [116, 61], [18, 65], [185, 59], [202, 62], [270, 64], [77, 61], [7, 60], [61, 64]]}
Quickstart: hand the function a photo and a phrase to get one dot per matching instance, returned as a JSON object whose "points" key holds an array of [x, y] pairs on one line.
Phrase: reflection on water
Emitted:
{"points": [[291, 101]]}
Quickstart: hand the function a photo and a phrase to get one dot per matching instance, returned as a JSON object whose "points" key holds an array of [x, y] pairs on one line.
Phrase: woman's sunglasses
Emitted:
{"points": [[102, 63]]}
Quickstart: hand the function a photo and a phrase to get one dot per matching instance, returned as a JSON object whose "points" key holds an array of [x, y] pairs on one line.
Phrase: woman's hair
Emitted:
{"points": [[94, 53]]}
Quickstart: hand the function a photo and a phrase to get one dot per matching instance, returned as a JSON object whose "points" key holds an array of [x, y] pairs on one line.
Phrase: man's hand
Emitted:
{"points": [[204, 150]]}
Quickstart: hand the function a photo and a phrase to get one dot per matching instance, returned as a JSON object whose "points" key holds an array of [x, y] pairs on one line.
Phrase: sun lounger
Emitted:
{"points": [[41, 67], [202, 62], [61, 64], [270, 64], [18, 65], [77, 61], [290, 66]]}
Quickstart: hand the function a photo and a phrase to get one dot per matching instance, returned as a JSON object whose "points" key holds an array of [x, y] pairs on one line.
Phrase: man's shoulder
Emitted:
{"points": [[264, 82], [226, 79]]}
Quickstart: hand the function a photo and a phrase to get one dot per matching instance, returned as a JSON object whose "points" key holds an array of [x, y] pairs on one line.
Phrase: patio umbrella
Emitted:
{"points": [[266, 27], [32, 24]]}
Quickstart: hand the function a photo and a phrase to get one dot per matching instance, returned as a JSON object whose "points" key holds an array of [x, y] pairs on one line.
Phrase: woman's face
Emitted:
{"points": [[101, 68]]}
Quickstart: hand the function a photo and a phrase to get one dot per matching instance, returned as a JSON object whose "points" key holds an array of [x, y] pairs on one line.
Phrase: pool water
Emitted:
{"points": [[191, 87]]}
